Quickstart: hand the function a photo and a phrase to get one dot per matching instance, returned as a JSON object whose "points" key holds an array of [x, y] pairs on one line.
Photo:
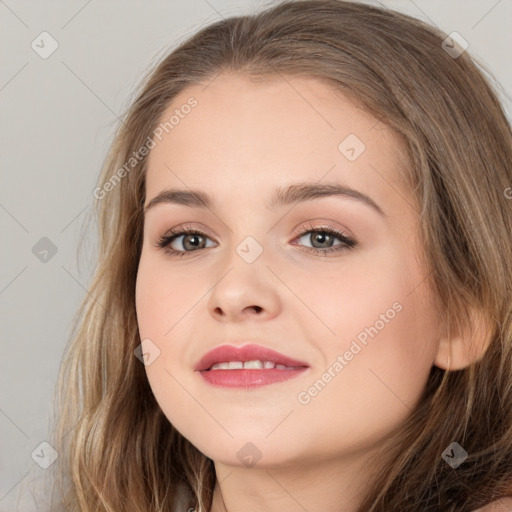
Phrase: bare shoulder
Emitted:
{"points": [[502, 505]]}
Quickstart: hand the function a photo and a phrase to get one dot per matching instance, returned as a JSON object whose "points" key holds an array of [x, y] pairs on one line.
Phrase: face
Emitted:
{"points": [[331, 278]]}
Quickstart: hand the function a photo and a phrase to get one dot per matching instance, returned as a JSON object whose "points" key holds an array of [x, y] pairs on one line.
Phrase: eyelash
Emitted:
{"points": [[347, 242]]}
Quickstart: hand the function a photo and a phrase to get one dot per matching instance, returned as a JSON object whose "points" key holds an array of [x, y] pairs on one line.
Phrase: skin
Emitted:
{"points": [[240, 142]]}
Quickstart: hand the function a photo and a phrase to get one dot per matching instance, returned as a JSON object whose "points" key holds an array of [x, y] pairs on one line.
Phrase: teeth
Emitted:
{"points": [[220, 366], [251, 365], [256, 365]]}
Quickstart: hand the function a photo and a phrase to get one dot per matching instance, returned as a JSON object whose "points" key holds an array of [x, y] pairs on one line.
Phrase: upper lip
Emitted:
{"points": [[249, 352]]}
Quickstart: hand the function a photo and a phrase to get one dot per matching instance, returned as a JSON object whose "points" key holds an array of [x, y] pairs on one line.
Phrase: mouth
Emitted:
{"points": [[247, 366]]}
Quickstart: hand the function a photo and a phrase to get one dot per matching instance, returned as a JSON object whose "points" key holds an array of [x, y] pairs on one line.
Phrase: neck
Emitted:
{"points": [[332, 485]]}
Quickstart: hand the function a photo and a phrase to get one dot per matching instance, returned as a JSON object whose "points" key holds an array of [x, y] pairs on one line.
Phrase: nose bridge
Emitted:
{"points": [[249, 234], [245, 286], [249, 250]]}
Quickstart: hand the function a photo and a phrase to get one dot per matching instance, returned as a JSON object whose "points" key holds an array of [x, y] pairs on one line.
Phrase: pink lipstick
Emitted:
{"points": [[247, 366]]}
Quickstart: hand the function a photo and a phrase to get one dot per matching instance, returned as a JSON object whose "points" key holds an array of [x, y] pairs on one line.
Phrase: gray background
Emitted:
{"points": [[57, 117]]}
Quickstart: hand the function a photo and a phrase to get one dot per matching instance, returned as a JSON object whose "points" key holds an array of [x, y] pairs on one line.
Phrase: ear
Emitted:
{"points": [[460, 349]]}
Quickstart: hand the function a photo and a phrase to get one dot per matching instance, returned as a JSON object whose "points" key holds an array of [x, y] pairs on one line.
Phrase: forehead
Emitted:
{"points": [[250, 134]]}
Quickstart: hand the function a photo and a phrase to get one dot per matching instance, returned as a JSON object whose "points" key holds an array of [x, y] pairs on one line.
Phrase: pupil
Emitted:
{"points": [[322, 238], [187, 241]]}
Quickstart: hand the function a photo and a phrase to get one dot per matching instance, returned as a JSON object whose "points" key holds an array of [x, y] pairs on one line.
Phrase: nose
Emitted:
{"points": [[245, 292]]}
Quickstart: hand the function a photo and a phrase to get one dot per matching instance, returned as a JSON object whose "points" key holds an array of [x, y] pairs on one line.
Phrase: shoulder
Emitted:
{"points": [[501, 505]]}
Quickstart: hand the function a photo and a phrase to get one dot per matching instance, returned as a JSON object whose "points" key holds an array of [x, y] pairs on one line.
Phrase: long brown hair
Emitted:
{"points": [[117, 450]]}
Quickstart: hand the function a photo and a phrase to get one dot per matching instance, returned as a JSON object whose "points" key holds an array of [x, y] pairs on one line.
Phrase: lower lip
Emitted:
{"points": [[249, 378]]}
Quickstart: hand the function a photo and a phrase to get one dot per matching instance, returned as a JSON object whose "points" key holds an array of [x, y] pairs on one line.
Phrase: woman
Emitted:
{"points": [[341, 338]]}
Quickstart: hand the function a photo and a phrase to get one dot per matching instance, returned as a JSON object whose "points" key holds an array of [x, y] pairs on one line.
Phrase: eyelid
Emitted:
{"points": [[319, 225], [347, 241], [188, 227], [180, 230]]}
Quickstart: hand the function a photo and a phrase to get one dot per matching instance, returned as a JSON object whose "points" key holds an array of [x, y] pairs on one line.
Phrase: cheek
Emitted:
{"points": [[163, 297], [384, 366], [382, 325], [363, 290]]}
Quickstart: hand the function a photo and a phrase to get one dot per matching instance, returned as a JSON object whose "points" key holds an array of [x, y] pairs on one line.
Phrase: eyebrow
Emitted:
{"points": [[295, 193]]}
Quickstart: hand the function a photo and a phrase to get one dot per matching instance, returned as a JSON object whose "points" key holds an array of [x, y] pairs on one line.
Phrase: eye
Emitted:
{"points": [[325, 240], [182, 241]]}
